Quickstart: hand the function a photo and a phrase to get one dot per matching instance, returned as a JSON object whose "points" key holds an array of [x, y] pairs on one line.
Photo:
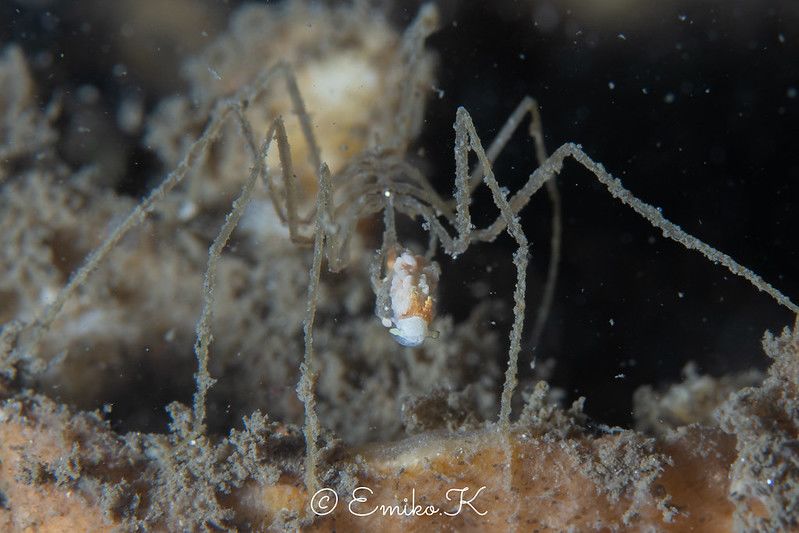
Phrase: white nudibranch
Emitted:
{"points": [[413, 281]]}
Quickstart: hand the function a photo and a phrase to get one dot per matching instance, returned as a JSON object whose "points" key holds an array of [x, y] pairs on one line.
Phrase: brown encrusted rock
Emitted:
{"points": [[764, 479], [62, 471]]}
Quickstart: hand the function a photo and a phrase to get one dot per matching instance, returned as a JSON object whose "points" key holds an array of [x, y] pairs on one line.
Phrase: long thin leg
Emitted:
{"points": [[308, 371], [36, 330], [467, 133], [302, 114], [287, 214], [464, 128], [668, 229], [408, 118], [203, 328], [553, 165], [377, 271], [529, 105], [291, 215], [432, 244], [544, 308]]}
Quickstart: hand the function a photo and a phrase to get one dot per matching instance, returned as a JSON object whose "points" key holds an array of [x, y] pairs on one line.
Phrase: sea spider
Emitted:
{"points": [[381, 180]]}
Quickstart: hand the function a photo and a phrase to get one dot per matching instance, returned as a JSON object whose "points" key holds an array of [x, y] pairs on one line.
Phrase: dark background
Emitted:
{"points": [[693, 105]]}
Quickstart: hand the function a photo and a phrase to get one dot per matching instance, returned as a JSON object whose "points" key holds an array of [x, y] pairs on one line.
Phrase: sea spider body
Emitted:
{"points": [[373, 183]]}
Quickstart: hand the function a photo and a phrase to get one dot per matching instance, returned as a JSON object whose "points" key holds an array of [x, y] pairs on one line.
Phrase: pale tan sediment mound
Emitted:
{"points": [[350, 68]]}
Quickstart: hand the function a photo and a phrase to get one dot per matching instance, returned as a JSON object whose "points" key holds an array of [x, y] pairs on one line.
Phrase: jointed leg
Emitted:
{"points": [[529, 105], [553, 165], [38, 328], [465, 134], [290, 214], [668, 229], [432, 245], [377, 272], [308, 371], [287, 214], [466, 139], [408, 117], [544, 308], [302, 115], [203, 328], [276, 131]]}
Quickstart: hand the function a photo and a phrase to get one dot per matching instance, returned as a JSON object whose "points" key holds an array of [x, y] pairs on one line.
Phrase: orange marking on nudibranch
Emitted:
{"points": [[413, 281]]}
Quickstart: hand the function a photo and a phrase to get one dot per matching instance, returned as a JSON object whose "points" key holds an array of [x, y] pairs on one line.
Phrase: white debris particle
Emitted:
{"points": [[622, 37], [682, 17], [680, 294], [611, 322], [119, 70], [611, 85], [130, 114], [187, 211], [645, 90], [669, 98], [781, 38], [619, 376], [791, 92]]}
